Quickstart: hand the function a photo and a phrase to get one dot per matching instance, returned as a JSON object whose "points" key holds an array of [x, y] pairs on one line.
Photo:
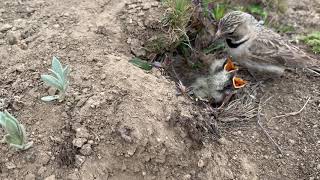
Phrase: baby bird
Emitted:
{"points": [[220, 83], [260, 49]]}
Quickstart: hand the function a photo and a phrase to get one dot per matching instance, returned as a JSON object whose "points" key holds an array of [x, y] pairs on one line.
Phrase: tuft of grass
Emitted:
{"points": [[16, 134], [216, 9], [257, 9], [285, 28], [177, 19], [179, 13], [313, 40], [58, 80]]}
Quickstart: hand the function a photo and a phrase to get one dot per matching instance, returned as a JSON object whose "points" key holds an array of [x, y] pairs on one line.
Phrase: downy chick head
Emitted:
{"points": [[234, 25], [220, 82]]}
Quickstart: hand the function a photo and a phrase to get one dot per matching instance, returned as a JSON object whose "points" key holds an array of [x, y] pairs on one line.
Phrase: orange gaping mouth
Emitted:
{"points": [[230, 65], [238, 82]]}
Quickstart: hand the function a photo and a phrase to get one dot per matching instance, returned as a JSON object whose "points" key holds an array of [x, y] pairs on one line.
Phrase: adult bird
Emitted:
{"points": [[259, 49]]}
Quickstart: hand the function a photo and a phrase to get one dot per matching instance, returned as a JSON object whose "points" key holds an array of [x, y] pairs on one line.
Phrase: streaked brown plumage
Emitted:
{"points": [[260, 49]]}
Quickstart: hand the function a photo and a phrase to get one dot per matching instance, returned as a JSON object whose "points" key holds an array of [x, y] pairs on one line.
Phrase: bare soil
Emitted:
{"points": [[116, 122]]}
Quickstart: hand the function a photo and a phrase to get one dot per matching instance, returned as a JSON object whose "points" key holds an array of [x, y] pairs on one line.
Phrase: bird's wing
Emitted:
{"points": [[270, 48]]}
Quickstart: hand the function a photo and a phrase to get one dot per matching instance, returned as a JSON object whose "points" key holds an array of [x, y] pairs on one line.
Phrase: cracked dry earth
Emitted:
{"points": [[115, 122]]}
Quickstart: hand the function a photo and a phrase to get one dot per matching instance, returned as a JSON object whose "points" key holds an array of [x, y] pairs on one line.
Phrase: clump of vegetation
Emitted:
{"points": [[215, 9], [58, 80], [313, 40], [176, 20], [16, 134]]}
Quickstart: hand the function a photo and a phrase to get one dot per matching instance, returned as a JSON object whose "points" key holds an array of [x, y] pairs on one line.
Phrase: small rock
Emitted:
{"points": [[102, 30], [52, 91], [291, 141], [5, 27], [78, 142], [10, 165], [82, 132], [79, 160], [138, 51], [56, 26], [201, 163], [146, 6], [12, 38], [223, 141], [186, 177], [52, 177], [43, 159], [318, 167], [30, 176], [103, 76], [86, 150]]}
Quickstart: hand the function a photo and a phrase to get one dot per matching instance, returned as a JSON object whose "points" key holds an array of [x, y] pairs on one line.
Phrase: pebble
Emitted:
{"points": [[30, 176], [86, 150], [79, 160], [10, 165], [12, 38], [52, 177], [82, 132], [201, 163], [5, 27], [52, 91], [78, 142], [291, 141]]}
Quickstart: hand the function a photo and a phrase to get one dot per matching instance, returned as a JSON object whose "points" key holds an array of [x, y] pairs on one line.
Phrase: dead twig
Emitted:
{"points": [[263, 129], [292, 113]]}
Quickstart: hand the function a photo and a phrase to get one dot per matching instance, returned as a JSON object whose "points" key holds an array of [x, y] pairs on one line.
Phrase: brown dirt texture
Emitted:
{"points": [[119, 122]]}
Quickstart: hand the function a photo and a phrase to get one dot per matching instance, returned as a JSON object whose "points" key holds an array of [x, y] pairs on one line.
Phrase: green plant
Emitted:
{"points": [[218, 11], [58, 80], [16, 134], [257, 10], [312, 40], [177, 19], [179, 13]]}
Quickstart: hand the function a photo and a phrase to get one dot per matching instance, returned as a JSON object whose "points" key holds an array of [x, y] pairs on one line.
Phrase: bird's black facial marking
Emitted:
{"points": [[231, 44]]}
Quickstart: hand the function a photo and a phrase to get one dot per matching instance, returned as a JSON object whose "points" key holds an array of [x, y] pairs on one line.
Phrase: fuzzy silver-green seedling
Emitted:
{"points": [[58, 80], [16, 134]]}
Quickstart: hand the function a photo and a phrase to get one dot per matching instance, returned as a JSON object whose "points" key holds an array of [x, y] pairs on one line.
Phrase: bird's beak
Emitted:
{"points": [[238, 82], [217, 36], [230, 67]]}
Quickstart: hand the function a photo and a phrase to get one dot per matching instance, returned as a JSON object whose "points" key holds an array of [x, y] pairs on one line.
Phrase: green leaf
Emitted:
{"points": [[13, 139], [141, 63], [56, 75], [257, 9], [50, 98], [56, 66], [52, 81], [14, 135]]}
